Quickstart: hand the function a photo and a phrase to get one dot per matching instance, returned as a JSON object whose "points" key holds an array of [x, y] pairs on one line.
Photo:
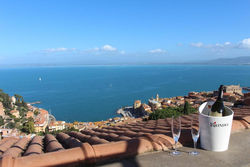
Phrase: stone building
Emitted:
{"points": [[146, 108], [137, 104], [41, 121], [154, 104], [234, 89], [56, 125]]}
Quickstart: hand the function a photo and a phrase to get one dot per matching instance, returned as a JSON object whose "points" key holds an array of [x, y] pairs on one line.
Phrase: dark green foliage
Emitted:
{"points": [[165, 113], [41, 133], [1, 121], [188, 109], [11, 121], [12, 116], [10, 125], [20, 101], [172, 111], [5, 99], [7, 112], [17, 120], [22, 111], [36, 112], [28, 127]]}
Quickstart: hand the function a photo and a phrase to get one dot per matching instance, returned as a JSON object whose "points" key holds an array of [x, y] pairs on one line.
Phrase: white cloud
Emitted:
{"points": [[198, 44], [52, 50], [157, 51], [108, 48], [96, 50], [245, 43]]}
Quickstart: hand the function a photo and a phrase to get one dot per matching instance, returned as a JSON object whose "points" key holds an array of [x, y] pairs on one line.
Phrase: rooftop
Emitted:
{"points": [[101, 145], [236, 155]]}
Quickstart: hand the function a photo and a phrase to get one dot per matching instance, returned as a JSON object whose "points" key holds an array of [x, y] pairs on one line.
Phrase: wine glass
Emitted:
{"points": [[176, 131], [195, 131]]}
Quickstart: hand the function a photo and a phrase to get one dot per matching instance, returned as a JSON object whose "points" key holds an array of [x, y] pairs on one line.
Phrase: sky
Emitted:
{"points": [[122, 32]]}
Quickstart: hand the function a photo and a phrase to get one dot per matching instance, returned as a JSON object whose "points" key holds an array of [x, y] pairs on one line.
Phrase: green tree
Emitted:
{"points": [[172, 111], [7, 112], [36, 112], [20, 101], [28, 127], [165, 113], [22, 111], [17, 120], [186, 109], [19, 98], [5, 99], [1, 121], [10, 125]]}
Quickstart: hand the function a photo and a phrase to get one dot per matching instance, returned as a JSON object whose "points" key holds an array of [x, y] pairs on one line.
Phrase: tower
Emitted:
{"points": [[157, 97]]}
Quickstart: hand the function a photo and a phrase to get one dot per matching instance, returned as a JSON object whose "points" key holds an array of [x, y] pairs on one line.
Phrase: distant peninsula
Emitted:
{"points": [[229, 61], [243, 60]]}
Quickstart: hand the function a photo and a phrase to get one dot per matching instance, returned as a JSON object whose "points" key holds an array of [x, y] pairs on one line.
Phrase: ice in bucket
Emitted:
{"points": [[214, 131]]}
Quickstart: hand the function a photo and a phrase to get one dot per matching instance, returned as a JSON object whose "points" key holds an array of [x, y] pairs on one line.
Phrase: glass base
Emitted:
{"points": [[175, 153], [194, 153]]}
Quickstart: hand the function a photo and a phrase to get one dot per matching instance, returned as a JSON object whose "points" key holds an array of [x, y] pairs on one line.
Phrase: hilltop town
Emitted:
{"points": [[233, 96], [18, 118]]}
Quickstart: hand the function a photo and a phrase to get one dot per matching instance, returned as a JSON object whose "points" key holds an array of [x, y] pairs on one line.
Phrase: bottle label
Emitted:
{"points": [[215, 125]]}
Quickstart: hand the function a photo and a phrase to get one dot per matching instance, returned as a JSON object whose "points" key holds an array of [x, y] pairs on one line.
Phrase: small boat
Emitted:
{"points": [[39, 78]]}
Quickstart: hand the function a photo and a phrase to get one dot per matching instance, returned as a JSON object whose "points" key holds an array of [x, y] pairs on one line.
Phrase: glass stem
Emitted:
{"points": [[194, 146], [175, 148]]}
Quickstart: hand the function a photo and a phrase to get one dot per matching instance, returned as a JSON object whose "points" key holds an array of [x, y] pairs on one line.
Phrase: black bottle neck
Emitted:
{"points": [[220, 96]]}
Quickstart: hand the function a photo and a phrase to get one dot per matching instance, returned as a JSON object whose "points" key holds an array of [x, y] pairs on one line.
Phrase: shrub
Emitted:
{"points": [[172, 111], [165, 113]]}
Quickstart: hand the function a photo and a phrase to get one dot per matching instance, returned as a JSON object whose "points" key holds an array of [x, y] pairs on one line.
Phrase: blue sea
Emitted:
{"points": [[94, 93]]}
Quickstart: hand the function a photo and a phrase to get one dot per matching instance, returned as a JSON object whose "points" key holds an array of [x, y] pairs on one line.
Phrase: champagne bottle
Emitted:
{"points": [[218, 108]]}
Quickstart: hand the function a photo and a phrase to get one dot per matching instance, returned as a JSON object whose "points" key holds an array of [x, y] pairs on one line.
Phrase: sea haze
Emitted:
{"points": [[92, 93]]}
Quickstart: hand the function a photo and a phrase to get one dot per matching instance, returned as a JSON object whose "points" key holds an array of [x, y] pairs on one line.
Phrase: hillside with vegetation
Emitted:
{"points": [[14, 113], [172, 111]]}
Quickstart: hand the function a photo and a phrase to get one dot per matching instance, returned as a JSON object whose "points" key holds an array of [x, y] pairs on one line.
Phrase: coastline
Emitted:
{"points": [[71, 94], [141, 110]]}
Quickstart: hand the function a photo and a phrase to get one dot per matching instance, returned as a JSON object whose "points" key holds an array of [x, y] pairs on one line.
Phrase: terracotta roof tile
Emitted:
{"points": [[82, 137], [35, 146], [51, 144], [6, 145], [106, 137], [17, 149], [96, 140], [3, 141], [68, 141], [247, 119]]}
